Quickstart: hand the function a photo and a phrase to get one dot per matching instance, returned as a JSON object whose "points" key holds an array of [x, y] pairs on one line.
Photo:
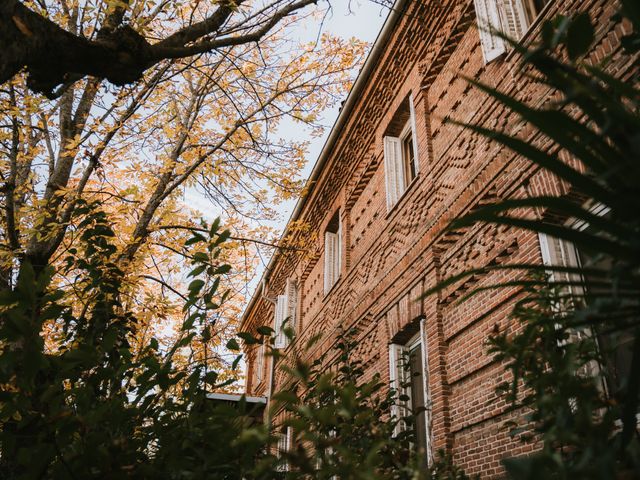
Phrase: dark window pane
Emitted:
{"points": [[417, 395], [616, 347]]}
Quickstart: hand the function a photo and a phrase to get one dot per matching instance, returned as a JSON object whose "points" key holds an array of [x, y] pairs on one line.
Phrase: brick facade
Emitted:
{"points": [[390, 257]]}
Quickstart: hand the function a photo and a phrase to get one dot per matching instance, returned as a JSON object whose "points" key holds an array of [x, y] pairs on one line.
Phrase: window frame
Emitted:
{"points": [[397, 372], [332, 253], [397, 167], [285, 313], [573, 259], [492, 16]]}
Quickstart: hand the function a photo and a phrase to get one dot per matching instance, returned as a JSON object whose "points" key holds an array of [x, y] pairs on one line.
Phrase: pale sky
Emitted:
{"points": [[362, 19]]}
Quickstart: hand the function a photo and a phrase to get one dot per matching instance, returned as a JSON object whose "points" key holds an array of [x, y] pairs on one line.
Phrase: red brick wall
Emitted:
{"points": [[392, 257]]}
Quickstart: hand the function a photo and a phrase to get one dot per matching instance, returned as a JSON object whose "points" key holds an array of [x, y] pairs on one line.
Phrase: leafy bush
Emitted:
{"points": [[98, 406]]}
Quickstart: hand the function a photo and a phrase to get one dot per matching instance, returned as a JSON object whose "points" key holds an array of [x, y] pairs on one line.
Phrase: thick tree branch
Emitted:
{"points": [[54, 56], [10, 186], [206, 27], [162, 52]]}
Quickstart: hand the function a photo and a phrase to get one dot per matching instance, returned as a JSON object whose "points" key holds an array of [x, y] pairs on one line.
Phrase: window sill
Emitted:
{"points": [[403, 198], [333, 287]]}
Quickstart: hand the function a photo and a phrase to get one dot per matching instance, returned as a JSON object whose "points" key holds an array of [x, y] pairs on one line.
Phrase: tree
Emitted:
{"points": [[209, 123]]}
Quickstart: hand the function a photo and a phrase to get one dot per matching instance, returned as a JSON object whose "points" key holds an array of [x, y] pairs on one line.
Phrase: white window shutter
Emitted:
{"points": [[513, 18], [281, 315], [338, 249], [260, 363], [393, 158], [488, 17], [427, 390], [292, 303], [399, 175], [557, 252], [545, 249], [395, 380], [329, 260], [414, 134], [284, 445]]}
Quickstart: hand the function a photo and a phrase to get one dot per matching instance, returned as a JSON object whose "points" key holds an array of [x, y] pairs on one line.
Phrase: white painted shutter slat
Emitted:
{"points": [[392, 156], [281, 314], [414, 134], [399, 175], [427, 391], [339, 249], [329, 260], [488, 17], [292, 302], [395, 355], [513, 18], [545, 249], [260, 363]]}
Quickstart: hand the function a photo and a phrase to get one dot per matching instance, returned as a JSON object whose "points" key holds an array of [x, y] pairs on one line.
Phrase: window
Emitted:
{"points": [[400, 153], [617, 346], [511, 17], [285, 316], [284, 444], [407, 363], [332, 252]]}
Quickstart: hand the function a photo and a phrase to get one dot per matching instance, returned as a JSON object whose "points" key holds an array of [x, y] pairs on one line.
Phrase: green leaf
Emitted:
{"points": [[580, 36], [196, 238], [197, 271], [264, 330], [233, 344], [248, 338], [200, 257], [196, 285], [235, 363]]}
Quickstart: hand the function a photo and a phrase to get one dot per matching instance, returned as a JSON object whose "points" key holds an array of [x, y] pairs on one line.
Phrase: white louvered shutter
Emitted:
{"points": [[414, 134], [292, 299], [338, 267], [281, 315], [427, 390], [556, 252], [330, 243], [284, 445], [513, 18], [488, 17], [393, 170], [395, 380], [545, 250], [260, 363]]}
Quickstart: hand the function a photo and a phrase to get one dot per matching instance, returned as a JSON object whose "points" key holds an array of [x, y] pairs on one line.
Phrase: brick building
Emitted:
{"points": [[391, 176]]}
